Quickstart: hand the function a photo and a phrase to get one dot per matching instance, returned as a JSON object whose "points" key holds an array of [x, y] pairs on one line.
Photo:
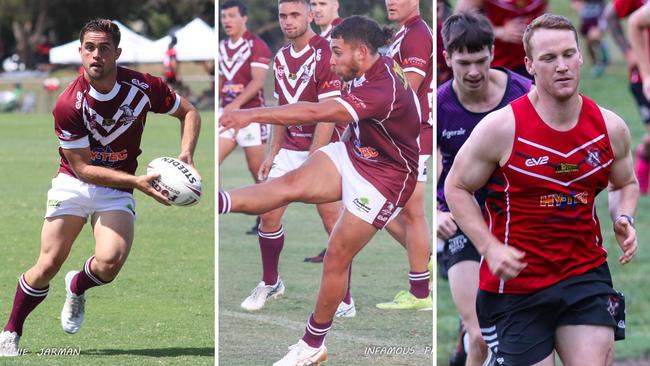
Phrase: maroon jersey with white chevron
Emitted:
{"points": [[111, 124], [383, 147], [412, 48], [235, 63], [304, 76], [542, 200], [327, 33]]}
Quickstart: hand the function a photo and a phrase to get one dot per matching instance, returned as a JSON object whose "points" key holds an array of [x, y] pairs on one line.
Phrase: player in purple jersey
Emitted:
{"points": [[99, 120], [374, 171], [474, 91], [412, 49], [326, 16]]}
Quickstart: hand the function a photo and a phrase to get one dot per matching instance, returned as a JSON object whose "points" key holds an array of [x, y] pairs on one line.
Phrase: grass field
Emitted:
{"points": [[612, 92], [260, 338], [160, 309]]}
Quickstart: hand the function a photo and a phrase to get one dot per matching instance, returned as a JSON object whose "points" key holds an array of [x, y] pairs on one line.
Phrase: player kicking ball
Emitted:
{"points": [[103, 110], [373, 172]]}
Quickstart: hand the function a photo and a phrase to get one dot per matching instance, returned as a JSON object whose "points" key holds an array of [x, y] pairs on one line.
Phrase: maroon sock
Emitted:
{"points": [[315, 332], [26, 300], [225, 204], [348, 297], [85, 279], [419, 284], [270, 247]]}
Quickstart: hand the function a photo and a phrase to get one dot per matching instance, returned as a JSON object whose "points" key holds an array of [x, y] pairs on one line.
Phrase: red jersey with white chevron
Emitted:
{"points": [[304, 76], [542, 200], [110, 124], [499, 12], [412, 49], [327, 33], [235, 63], [383, 147]]}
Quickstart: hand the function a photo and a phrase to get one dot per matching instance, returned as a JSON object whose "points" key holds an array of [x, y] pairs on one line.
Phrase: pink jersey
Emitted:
{"points": [[327, 33], [383, 147], [111, 124], [236, 61], [304, 76], [412, 49], [542, 200]]}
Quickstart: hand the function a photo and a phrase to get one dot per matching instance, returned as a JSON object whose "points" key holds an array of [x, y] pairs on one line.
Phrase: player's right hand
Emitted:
{"points": [[235, 120], [265, 168], [144, 184], [505, 262], [446, 225]]}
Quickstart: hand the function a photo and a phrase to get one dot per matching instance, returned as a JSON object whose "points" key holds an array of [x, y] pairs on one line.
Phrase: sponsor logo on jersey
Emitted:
{"points": [[106, 156], [449, 134], [362, 204], [542, 160], [400, 74], [332, 84], [562, 200], [415, 61], [565, 168], [365, 152], [77, 103], [140, 84], [108, 122], [53, 203], [457, 243], [318, 54]]}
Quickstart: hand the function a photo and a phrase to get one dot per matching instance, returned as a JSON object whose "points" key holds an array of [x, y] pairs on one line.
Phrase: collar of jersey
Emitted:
{"points": [[104, 97], [297, 54], [232, 45]]}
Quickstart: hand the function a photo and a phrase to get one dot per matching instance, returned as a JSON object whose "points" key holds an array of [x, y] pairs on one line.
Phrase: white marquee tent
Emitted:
{"points": [[197, 41], [133, 48]]}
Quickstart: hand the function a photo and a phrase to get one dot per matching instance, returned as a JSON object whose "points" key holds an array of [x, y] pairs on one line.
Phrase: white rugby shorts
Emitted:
{"points": [[422, 167], [254, 134], [286, 161], [360, 197], [70, 196]]}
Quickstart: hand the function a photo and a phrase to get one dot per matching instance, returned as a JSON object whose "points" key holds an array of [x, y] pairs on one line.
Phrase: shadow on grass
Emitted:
{"points": [[153, 352]]}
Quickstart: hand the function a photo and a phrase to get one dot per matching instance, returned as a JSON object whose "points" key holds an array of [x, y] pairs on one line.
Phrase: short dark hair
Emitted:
{"points": [[467, 30], [304, 2], [547, 21], [101, 26], [243, 10], [365, 30]]}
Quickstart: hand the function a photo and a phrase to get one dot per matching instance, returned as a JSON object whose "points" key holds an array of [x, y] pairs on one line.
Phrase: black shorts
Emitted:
{"points": [[641, 102], [520, 329], [459, 248]]}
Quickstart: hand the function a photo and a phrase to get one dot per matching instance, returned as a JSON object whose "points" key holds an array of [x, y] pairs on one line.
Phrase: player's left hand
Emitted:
{"points": [[626, 238], [235, 120], [189, 160]]}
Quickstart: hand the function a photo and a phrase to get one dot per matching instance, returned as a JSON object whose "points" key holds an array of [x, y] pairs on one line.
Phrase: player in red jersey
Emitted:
{"points": [[617, 10], [326, 16], [509, 19], [170, 63], [374, 171], [544, 280], [302, 73], [99, 120], [243, 64], [412, 49]]}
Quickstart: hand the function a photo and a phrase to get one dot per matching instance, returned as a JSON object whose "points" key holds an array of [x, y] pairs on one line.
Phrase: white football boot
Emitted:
{"points": [[301, 354], [9, 344], [261, 293], [346, 311], [72, 315]]}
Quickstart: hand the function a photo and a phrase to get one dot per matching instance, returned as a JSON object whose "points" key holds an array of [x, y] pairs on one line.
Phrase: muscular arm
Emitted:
{"points": [[258, 75], [473, 166], [190, 127]]}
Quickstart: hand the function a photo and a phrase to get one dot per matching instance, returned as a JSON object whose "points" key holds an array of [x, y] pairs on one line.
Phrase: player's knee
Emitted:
{"points": [[337, 259], [476, 342], [107, 269]]}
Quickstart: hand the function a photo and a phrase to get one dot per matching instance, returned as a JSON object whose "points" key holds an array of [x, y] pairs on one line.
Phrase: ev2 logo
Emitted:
{"points": [[536, 161]]}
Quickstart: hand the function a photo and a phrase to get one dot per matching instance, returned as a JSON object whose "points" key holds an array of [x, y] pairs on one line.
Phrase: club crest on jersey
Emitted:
{"points": [[388, 209], [127, 115], [306, 74], [593, 157]]}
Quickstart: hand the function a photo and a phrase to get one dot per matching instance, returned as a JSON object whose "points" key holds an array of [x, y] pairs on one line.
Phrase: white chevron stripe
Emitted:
{"points": [[564, 184], [564, 155]]}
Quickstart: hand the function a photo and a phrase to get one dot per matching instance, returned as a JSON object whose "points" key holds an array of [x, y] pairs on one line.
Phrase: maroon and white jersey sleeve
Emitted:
{"points": [[162, 97], [383, 147], [68, 121]]}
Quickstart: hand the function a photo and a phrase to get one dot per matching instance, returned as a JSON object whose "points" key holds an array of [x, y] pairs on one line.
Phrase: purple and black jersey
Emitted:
{"points": [[455, 124]]}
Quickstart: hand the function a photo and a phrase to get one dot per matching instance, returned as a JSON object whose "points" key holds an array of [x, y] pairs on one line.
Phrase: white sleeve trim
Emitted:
{"points": [[75, 144], [415, 70], [351, 110], [334, 93], [260, 65], [177, 104]]}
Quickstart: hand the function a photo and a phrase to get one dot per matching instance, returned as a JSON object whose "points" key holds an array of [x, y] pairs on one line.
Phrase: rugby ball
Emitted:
{"points": [[178, 181]]}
